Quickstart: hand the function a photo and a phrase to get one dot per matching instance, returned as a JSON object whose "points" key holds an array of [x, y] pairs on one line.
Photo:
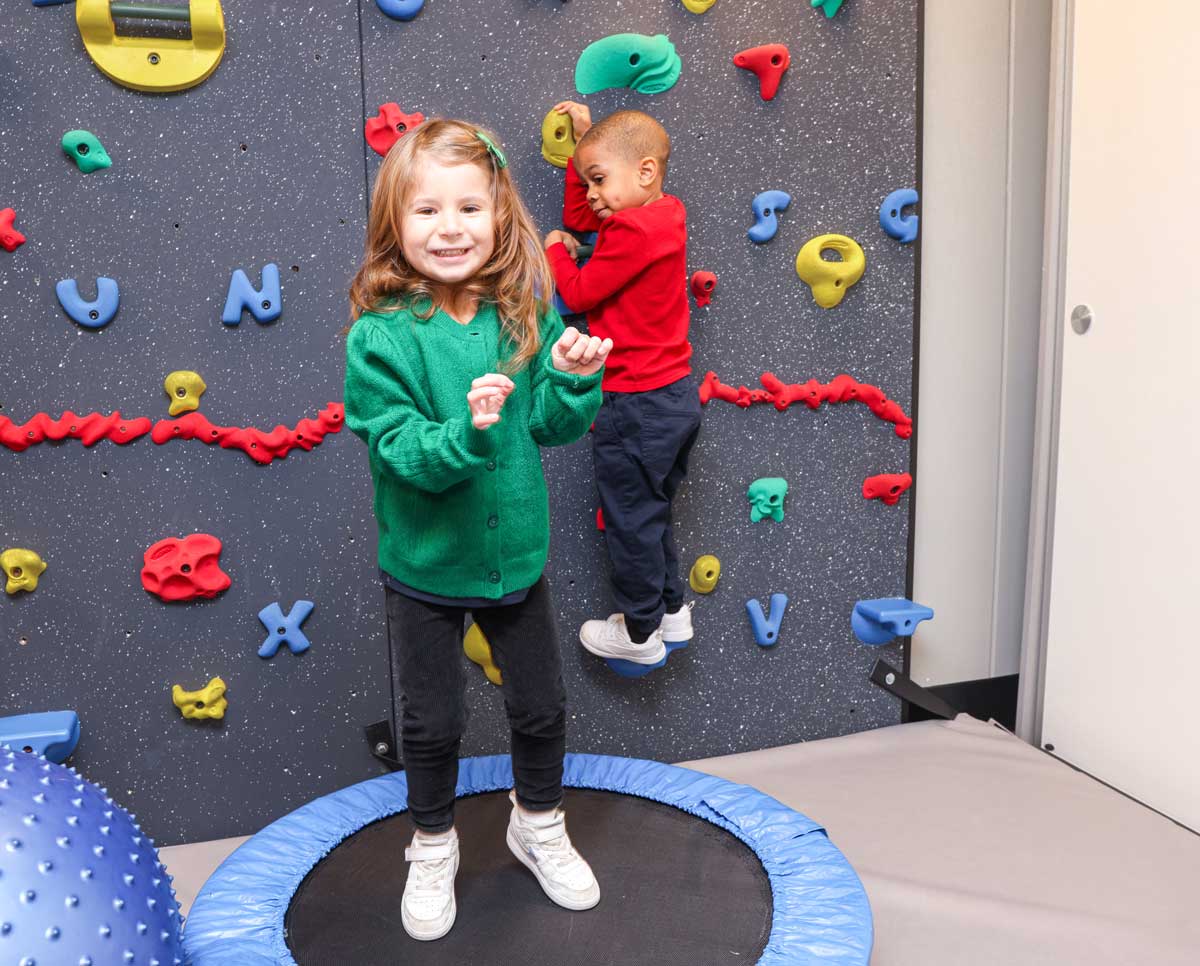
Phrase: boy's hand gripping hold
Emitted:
{"points": [[487, 397], [579, 354]]}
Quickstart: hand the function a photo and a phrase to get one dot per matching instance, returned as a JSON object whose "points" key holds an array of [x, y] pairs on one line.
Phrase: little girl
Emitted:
{"points": [[456, 371]]}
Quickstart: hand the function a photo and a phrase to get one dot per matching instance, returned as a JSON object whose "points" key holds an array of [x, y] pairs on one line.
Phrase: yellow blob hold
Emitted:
{"points": [[208, 702], [23, 567], [185, 389], [698, 6], [706, 571], [479, 650], [829, 280], [558, 138]]}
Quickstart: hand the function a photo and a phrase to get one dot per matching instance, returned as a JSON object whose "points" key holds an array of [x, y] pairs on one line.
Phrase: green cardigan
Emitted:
{"points": [[462, 512]]}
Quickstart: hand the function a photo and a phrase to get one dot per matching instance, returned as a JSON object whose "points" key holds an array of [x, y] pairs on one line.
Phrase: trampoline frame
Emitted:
{"points": [[821, 914]]}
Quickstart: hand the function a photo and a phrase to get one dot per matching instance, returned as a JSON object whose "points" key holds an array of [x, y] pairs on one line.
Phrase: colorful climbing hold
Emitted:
{"points": [[831, 6], [648, 65], [184, 569], [95, 314], [51, 734], [259, 446], [766, 498], [22, 567], [558, 138], [477, 648], [766, 628], [10, 238], [600, 518], [185, 389], [878, 621], [389, 126], [887, 487], [208, 702], [85, 149], [705, 573], [400, 9], [703, 284], [892, 220], [765, 205], [264, 304], [631, 669], [89, 429], [768, 62], [698, 6], [829, 281], [284, 628]]}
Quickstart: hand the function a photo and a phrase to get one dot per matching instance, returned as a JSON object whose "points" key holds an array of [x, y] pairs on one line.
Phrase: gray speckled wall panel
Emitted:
{"points": [[839, 136]]}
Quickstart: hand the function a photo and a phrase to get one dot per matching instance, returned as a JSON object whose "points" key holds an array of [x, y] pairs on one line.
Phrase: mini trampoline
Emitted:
{"points": [[693, 870]]}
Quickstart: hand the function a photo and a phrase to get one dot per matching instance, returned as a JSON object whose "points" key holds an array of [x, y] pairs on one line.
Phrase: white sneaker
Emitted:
{"points": [[610, 638], [428, 909], [677, 627], [542, 846]]}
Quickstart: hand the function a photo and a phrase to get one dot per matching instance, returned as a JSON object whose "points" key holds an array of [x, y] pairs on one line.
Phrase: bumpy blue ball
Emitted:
{"points": [[80, 885]]}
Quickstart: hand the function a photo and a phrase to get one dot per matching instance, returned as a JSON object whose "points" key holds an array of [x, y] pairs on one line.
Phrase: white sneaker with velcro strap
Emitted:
{"points": [[428, 909], [541, 844]]}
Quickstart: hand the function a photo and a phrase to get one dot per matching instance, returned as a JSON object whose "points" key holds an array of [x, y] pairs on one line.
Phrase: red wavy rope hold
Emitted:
{"points": [[88, 429]]}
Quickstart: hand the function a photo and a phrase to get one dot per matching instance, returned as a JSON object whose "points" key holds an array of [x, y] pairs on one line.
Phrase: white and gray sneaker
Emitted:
{"points": [[610, 638], [676, 628], [539, 840], [428, 909]]}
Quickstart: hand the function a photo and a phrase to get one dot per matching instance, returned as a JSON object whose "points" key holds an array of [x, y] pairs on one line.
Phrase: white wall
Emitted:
{"points": [[984, 154]]}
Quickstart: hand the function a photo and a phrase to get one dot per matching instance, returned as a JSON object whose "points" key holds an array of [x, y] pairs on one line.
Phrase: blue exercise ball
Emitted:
{"points": [[80, 885]]}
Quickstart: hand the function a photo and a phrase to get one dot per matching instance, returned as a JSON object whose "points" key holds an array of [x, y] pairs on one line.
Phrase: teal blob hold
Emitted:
{"points": [[648, 65]]}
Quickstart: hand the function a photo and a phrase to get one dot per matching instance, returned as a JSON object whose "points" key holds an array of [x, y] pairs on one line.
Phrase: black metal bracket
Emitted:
{"points": [[900, 685], [382, 742]]}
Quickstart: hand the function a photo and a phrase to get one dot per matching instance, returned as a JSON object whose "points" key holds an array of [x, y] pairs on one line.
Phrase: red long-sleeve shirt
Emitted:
{"points": [[633, 289]]}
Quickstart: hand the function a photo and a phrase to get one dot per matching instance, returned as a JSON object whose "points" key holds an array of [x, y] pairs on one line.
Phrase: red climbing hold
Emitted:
{"points": [[703, 284], [183, 569], [888, 487], [10, 238], [768, 62], [88, 429], [258, 445], [599, 518], [389, 126]]}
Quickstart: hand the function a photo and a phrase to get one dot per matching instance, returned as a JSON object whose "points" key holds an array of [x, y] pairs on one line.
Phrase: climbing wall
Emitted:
{"points": [[265, 162]]}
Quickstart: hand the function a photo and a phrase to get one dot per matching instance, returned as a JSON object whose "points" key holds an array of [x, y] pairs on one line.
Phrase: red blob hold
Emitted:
{"points": [[184, 569], [10, 238], [599, 518], [389, 126], [888, 487], [768, 62], [702, 284]]}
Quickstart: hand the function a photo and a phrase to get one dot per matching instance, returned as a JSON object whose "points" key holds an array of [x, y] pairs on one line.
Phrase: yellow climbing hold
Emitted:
{"points": [[706, 571], [829, 280], [208, 702], [698, 6], [479, 650], [185, 389], [558, 138], [22, 567]]}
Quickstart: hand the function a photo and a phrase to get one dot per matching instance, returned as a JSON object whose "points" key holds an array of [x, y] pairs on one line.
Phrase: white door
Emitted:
{"points": [[1122, 676]]}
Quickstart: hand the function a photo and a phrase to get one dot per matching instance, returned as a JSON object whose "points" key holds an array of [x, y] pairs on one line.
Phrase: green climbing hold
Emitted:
{"points": [[85, 149], [831, 6], [648, 65], [766, 498]]}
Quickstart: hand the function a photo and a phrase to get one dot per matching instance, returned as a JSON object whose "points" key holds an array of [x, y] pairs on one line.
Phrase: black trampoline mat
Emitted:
{"points": [[675, 891]]}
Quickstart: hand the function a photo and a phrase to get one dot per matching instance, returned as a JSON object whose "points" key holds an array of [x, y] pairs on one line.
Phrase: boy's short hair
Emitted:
{"points": [[634, 134]]}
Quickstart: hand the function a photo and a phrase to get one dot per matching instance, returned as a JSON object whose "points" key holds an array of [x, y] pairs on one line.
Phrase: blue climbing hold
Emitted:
{"points": [[284, 630], [766, 224], [264, 304], [48, 3], [766, 628], [91, 315], [631, 669], [878, 621], [51, 734], [900, 226], [400, 9]]}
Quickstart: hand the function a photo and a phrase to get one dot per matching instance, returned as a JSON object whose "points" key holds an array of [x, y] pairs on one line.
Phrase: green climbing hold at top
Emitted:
{"points": [[85, 149], [648, 65], [830, 6]]}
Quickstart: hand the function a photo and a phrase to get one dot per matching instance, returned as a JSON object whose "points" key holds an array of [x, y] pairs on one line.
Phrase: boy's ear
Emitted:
{"points": [[648, 171]]}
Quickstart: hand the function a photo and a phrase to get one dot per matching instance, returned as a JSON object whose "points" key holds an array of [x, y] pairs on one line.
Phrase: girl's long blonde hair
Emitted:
{"points": [[516, 278]]}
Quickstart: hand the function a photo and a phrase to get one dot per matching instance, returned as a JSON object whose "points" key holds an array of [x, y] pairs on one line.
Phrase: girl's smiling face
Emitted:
{"points": [[448, 231]]}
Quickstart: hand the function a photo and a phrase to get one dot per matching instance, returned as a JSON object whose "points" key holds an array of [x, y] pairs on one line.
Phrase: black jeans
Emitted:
{"points": [[426, 641], [640, 447]]}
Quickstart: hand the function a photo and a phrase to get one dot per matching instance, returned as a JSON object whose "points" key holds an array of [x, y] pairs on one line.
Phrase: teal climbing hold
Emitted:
{"points": [[766, 498], [830, 6], [85, 149], [648, 65]]}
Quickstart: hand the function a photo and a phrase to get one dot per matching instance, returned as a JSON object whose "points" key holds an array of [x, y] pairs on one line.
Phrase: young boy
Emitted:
{"points": [[634, 291]]}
